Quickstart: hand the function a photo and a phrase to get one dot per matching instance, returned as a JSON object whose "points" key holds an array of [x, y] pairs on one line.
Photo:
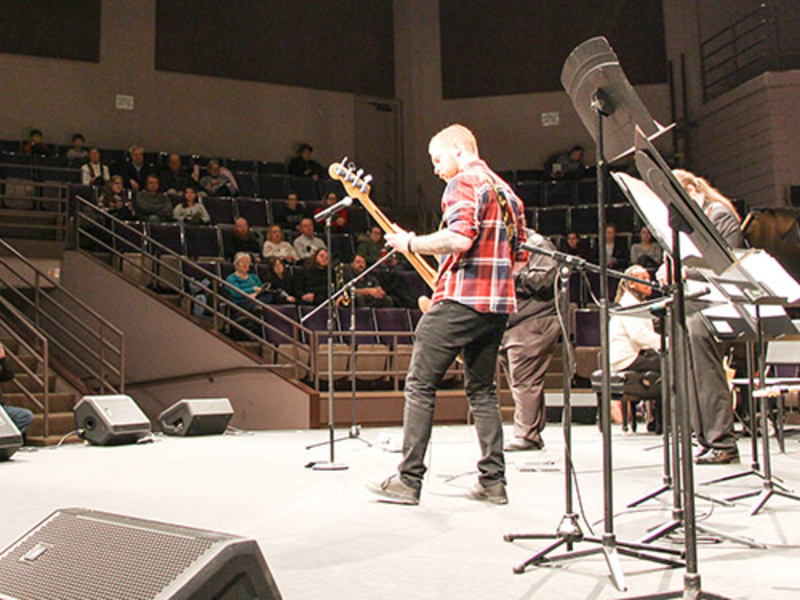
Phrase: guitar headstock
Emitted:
{"points": [[355, 182]]}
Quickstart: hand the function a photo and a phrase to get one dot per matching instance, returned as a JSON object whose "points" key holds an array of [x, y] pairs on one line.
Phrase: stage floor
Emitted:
{"points": [[324, 536]]}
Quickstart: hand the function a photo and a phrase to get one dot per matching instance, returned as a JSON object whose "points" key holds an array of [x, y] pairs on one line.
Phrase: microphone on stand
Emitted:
{"points": [[332, 210]]}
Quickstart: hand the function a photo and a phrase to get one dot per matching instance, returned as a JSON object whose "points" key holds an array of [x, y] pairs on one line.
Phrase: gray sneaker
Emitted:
{"points": [[496, 494], [393, 489]]}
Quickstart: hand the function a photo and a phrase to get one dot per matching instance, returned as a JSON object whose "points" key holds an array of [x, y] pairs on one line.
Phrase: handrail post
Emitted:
{"points": [[36, 304], [215, 301], [46, 387], [103, 384]]}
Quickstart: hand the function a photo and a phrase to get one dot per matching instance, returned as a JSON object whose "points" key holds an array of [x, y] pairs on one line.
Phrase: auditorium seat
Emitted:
{"points": [[371, 356], [531, 193], [248, 185], [273, 186], [342, 247], [623, 216], [584, 220], [560, 193], [271, 168], [255, 210], [552, 220], [16, 166], [304, 187], [244, 166], [318, 324], [330, 186], [202, 242], [396, 321], [220, 210]]}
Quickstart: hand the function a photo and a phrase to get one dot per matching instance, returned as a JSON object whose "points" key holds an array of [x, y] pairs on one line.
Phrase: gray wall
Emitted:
{"points": [[181, 113], [509, 128], [744, 141]]}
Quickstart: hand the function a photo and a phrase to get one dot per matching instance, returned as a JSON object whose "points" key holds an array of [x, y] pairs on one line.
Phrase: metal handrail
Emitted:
{"points": [[220, 303], [733, 68], [42, 360], [107, 353]]}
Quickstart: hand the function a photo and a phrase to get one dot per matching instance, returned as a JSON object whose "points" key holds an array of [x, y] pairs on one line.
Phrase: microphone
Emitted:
{"points": [[535, 240], [332, 210]]}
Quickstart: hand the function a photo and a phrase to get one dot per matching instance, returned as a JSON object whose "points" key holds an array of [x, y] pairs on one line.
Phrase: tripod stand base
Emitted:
{"points": [[764, 495], [677, 525], [324, 465]]}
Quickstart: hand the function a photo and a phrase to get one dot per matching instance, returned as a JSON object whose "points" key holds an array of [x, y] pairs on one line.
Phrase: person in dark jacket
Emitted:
{"points": [[312, 286], [21, 417], [528, 345]]}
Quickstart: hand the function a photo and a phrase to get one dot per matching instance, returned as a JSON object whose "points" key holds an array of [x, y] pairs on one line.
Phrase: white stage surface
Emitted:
{"points": [[324, 536]]}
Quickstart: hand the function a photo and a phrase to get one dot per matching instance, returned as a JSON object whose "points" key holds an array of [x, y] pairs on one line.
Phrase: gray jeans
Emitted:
{"points": [[443, 332]]}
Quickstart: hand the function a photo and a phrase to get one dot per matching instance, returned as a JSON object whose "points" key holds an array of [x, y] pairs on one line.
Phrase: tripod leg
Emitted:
{"points": [[650, 496], [612, 560], [660, 532], [539, 556], [731, 538], [761, 501]]}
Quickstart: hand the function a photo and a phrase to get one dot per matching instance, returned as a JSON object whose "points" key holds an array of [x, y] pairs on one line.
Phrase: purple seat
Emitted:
{"points": [[304, 187], [414, 315], [552, 220], [413, 283], [166, 236], [248, 166], [342, 247], [202, 241], [587, 327], [330, 186], [279, 330], [16, 166], [248, 185], [254, 210], [365, 322], [531, 193], [271, 168], [319, 323], [393, 320], [220, 210], [273, 186], [129, 237]]}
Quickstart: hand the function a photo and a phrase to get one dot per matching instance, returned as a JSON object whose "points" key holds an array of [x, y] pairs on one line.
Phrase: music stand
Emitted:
{"points": [[610, 109]]}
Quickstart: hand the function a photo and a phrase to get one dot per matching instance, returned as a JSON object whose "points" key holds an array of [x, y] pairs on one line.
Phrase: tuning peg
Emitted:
{"points": [[365, 183]]}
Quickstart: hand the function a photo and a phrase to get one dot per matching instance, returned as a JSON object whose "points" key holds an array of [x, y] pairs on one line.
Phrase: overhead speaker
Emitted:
{"points": [[202, 416], [110, 420], [10, 437], [81, 554]]}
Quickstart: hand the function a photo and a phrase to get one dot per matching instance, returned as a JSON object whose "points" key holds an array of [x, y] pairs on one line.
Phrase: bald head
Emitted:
{"points": [[455, 135], [451, 149]]}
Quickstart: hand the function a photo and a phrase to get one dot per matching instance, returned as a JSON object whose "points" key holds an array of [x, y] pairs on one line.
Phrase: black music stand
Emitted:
{"points": [[610, 109]]}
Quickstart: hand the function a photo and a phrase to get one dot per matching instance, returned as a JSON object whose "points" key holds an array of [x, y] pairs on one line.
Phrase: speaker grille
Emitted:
{"points": [[78, 555]]}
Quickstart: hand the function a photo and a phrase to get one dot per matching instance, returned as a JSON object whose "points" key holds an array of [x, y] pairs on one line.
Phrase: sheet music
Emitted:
{"points": [[765, 269], [655, 214]]}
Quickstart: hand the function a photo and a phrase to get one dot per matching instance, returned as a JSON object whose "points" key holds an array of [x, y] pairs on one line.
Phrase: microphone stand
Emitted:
{"points": [[330, 465], [355, 428]]}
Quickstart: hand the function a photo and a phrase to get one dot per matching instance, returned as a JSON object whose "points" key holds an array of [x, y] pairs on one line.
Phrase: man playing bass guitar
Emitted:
{"points": [[483, 226]]}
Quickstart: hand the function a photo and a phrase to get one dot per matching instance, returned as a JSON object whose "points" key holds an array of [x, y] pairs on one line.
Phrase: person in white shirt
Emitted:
{"points": [[277, 246], [94, 172], [307, 243], [634, 343]]}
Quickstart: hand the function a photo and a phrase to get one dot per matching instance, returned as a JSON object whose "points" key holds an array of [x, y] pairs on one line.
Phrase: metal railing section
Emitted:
{"points": [[96, 229], [82, 338], [40, 207], [28, 338]]}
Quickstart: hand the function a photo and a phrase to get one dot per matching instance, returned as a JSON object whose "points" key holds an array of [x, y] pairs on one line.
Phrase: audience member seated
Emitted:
{"points": [[307, 242], [373, 247], [151, 204], [249, 286], [94, 172], [288, 214], [312, 284], [115, 200], [217, 182], [634, 344], [78, 153], [276, 246], [173, 180], [244, 240], [339, 222], [647, 252], [189, 211], [617, 253], [137, 170], [566, 165], [575, 245], [368, 290], [280, 282], [303, 165], [21, 417], [35, 144]]}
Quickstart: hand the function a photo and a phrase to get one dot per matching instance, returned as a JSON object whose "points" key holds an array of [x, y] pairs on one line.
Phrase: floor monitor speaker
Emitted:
{"points": [[10, 437], [205, 416], [110, 420], [81, 554]]}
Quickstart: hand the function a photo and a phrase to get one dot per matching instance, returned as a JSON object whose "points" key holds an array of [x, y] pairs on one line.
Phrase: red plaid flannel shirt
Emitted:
{"points": [[481, 277]]}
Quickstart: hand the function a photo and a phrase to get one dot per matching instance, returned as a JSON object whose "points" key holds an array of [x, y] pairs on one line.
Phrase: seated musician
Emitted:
{"points": [[633, 342]]}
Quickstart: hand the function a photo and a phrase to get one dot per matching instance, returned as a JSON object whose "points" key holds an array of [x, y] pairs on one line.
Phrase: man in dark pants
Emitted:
{"points": [[528, 345], [483, 224], [21, 417], [711, 408]]}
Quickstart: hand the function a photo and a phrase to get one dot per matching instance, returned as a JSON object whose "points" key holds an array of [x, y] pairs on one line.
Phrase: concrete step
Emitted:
{"points": [[28, 360], [60, 423], [59, 402], [28, 383]]}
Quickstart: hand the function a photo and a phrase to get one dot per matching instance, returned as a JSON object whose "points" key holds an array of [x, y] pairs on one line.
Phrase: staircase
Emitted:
{"points": [[27, 391]]}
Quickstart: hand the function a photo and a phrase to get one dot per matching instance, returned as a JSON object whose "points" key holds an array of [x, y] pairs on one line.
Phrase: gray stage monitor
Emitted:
{"points": [[10, 437], [200, 416], [110, 420]]}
